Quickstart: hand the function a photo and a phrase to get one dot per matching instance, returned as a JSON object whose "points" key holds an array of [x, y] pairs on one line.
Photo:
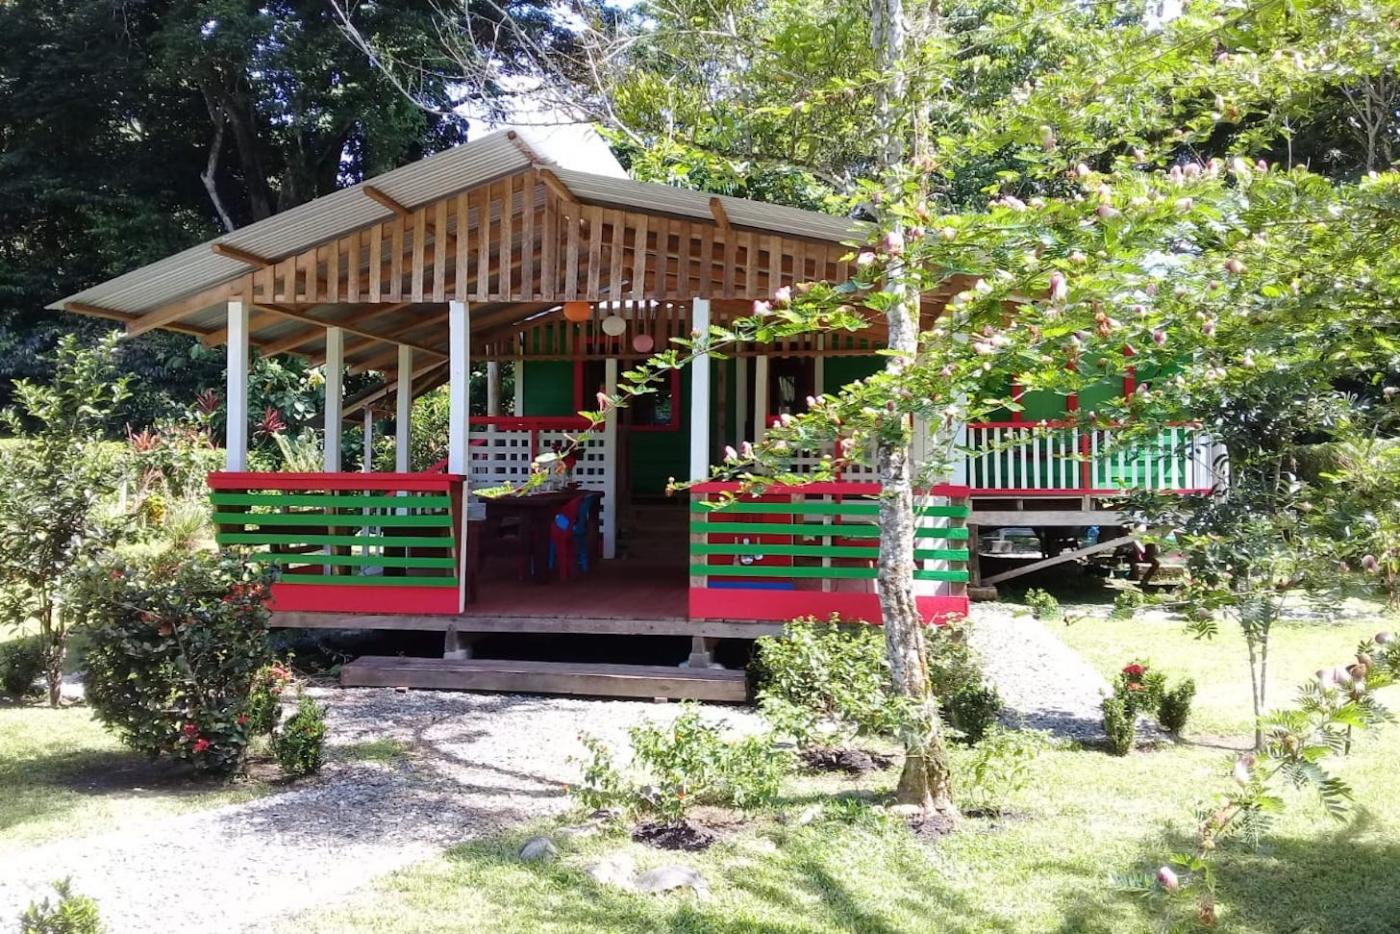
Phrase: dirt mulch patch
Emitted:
{"points": [[675, 835], [933, 826], [850, 761]]}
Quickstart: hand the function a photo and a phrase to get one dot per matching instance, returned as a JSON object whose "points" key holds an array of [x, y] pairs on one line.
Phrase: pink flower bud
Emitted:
{"points": [[1233, 266], [747, 449], [783, 295], [1159, 337], [865, 258], [1241, 772], [1370, 564], [1059, 287], [1107, 211], [1184, 205], [893, 243], [729, 453], [1175, 175], [602, 400], [1167, 879], [1083, 171], [1192, 170], [761, 308]]}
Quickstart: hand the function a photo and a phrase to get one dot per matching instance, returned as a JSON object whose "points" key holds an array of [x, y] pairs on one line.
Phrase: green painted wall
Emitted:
{"points": [[549, 387], [838, 371]]}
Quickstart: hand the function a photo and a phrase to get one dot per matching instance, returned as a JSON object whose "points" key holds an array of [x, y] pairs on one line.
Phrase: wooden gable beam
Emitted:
{"points": [[169, 313], [126, 317], [243, 256], [720, 215], [374, 194]]}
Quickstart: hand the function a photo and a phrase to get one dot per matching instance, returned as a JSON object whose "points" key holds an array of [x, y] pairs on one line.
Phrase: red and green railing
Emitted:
{"points": [[811, 550], [347, 542]]}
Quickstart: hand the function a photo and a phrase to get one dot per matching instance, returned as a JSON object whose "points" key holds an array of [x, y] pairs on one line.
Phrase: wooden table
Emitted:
{"points": [[535, 513]]}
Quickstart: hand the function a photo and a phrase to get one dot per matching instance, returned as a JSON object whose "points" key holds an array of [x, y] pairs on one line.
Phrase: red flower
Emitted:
{"points": [[200, 745], [1134, 686], [242, 719], [190, 730], [1134, 670], [114, 575]]}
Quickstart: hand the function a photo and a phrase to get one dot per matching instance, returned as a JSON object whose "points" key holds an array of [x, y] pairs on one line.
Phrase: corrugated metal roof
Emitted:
{"points": [[198, 268]]}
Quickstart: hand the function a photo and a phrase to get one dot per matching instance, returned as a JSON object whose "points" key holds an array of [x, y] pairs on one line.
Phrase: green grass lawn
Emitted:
{"points": [[1085, 819], [63, 775]]}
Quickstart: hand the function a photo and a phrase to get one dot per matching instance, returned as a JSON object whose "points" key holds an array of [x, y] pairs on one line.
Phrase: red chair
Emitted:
{"points": [[563, 551]]}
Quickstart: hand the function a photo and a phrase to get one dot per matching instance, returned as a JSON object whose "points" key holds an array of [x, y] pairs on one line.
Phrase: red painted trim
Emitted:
{"points": [[826, 489], [1075, 491], [1065, 423], [289, 597], [417, 482], [1017, 393], [786, 605], [531, 422]]}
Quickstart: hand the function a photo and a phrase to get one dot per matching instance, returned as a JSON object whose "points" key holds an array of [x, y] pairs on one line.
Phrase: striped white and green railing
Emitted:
{"points": [[811, 550], [347, 542]]}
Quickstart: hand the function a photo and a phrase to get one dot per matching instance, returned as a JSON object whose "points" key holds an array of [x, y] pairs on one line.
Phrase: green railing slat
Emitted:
{"points": [[809, 507], [322, 520], [947, 512], [355, 561], [804, 530], [368, 580], [812, 530], [940, 554], [795, 551], [954, 576], [382, 500], [270, 538], [760, 570]]}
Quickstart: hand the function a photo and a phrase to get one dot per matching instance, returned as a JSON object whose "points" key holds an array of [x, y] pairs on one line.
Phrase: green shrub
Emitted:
{"points": [[173, 646], [1127, 603], [821, 683], [973, 710], [71, 914], [1174, 706], [1042, 604], [682, 764], [21, 664], [1119, 725], [1001, 766], [265, 698], [1138, 686], [300, 745]]}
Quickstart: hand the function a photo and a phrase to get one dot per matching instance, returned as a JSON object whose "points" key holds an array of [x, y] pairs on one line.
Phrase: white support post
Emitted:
{"points": [[493, 388], [760, 397], [700, 395], [459, 385], [741, 399], [611, 463], [404, 411], [236, 434], [335, 376], [367, 465], [517, 369]]}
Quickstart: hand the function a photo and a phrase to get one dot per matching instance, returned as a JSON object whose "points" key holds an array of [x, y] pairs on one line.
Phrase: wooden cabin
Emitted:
{"points": [[532, 251]]}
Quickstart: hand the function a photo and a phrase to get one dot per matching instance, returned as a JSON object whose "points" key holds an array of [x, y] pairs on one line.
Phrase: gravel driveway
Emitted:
{"points": [[480, 763]]}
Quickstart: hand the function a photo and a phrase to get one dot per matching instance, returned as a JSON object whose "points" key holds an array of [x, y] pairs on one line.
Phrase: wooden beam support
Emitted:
{"points": [[556, 186], [347, 328], [243, 256], [1058, 559], [720, 215], [374, 194], [97, 311], [169, 313]]}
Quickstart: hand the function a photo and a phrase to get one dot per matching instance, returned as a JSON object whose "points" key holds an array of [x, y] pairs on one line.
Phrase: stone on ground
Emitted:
{"points": [[538, 850]]}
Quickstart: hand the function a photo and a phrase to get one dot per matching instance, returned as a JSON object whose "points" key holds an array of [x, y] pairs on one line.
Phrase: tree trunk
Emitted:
{"points": [[927, 779], [53, 649]]}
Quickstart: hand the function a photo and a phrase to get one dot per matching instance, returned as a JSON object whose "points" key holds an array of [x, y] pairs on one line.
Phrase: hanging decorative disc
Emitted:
{"points": [[614, 326], [643, 343], [578, 311]]}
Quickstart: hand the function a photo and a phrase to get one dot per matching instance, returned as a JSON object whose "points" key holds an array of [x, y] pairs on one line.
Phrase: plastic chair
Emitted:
{"points": [[562, 551], [586, 544]]}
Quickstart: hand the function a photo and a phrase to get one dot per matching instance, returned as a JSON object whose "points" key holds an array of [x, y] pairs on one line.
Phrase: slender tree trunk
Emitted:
{"points": [[926, 780], [53, 653]]}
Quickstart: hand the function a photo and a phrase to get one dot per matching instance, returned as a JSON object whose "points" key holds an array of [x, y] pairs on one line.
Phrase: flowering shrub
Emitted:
{"points": [[300, 745], [174, 643], [265, 698], [1138, 686], [682, 764]]}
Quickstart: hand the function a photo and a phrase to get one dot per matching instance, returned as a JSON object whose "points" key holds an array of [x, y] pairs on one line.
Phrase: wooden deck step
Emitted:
{"points": [[530, 677]]}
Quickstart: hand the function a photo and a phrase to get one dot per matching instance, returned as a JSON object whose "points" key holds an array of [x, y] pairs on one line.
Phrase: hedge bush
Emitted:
{"points": [[21, 664], [174, 645], [300, 744]]}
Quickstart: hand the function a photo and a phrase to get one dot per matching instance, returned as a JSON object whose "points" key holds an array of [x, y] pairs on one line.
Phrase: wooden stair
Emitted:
{"points": [[531, 677]]}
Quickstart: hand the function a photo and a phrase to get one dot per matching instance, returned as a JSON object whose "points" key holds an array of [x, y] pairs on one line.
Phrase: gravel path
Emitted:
{"points": [[1044, 684], [480, 763]]}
